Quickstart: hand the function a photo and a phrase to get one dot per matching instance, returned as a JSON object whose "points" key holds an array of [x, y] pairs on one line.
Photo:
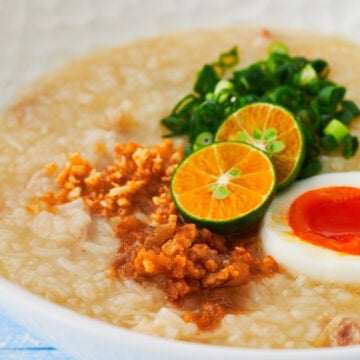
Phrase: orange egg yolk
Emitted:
{"points": [[328, 217]]}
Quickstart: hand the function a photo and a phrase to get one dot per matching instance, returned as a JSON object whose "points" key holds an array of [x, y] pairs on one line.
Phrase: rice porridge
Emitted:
{"points": [[115, 97]]}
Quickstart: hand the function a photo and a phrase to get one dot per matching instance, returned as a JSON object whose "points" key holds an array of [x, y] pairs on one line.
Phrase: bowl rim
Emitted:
{"points": [[22, 298]]}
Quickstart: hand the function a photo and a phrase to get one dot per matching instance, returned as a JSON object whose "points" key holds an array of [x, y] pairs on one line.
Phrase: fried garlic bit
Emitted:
{"points": [[130, 184]]}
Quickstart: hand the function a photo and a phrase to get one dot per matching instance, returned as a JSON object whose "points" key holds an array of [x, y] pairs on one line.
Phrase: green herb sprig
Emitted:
{"points": [[300, 85]]}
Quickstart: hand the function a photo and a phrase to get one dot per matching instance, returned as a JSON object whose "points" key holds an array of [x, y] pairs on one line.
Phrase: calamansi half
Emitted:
{"points": [[272, 129], [225, 187]]}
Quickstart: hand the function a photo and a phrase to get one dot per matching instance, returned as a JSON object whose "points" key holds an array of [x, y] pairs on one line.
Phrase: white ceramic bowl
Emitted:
{"points": [[89, 339], [41, 34]]}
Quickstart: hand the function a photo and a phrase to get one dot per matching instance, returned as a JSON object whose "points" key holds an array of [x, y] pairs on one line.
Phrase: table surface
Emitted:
{"points": [[17, 343]]}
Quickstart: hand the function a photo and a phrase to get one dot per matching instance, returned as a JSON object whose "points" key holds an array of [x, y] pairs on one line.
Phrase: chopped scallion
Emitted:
{"points": [[223, 90], [228, 59], [329, 143], [300, 85], [337, 129], [278, 47], [203, 139], [348, 112], [307, 74], [206, 80], [350, 146], [329, 98], [321, 67]]}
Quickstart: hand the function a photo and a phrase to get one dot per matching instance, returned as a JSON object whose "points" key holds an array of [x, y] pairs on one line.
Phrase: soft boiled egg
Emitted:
{"points": [[313, 228]]}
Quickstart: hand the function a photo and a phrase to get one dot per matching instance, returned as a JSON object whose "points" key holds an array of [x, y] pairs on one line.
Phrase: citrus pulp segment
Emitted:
{"points": [[225, 187], [270, 128]]}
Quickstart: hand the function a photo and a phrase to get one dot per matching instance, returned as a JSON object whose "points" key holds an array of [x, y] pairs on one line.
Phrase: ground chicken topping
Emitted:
{"points": [[185, 261], [194, 267]]}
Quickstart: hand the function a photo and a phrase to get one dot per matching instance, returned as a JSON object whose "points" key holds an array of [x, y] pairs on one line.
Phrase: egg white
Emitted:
{"points": [[297, 255]]}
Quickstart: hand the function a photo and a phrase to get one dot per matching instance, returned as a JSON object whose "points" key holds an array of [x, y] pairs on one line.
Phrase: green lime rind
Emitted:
{"points": [[234, 225], [298, 161], [237, 223]]}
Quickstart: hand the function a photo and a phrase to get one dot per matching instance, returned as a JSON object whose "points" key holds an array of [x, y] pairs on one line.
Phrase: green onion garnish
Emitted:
{"points": [[301, 85], [223, 90], [307, 74], [278, 47], [337, 129], [203, 139], [350, 146]]}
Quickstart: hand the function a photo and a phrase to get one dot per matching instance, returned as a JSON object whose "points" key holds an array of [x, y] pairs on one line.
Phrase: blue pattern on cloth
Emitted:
{"points": [[16, 343]]}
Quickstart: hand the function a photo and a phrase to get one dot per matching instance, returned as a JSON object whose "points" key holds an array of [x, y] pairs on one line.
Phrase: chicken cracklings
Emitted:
{"points": [[194, 267]]}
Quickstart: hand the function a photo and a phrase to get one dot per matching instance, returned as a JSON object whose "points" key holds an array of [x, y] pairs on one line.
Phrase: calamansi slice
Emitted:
{"points": [[225, 187], [273, 129]]}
